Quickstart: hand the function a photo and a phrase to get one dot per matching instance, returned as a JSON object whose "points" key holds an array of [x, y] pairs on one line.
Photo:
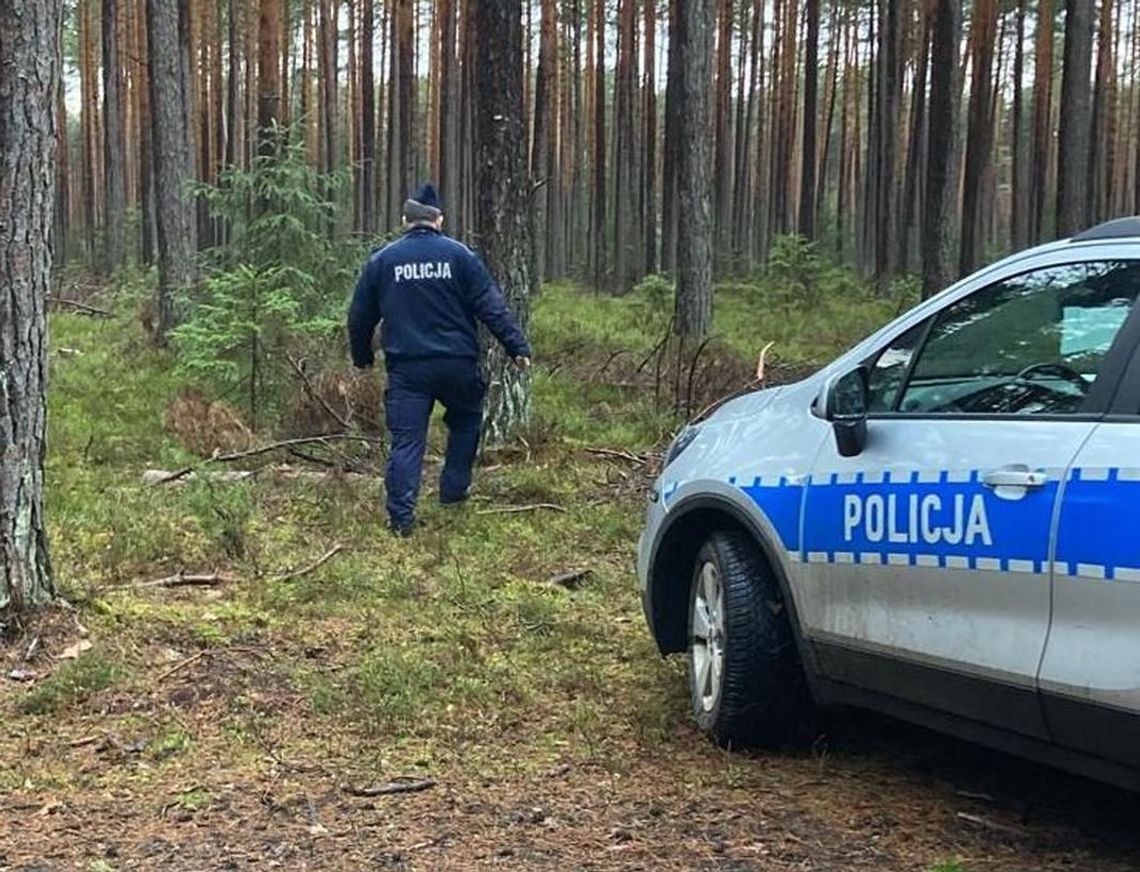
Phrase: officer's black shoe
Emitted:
{"points": [[454, 501], [402, 531]]}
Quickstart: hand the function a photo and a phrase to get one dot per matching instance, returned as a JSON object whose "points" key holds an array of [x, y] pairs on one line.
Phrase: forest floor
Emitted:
{"points": [[255, 721]]}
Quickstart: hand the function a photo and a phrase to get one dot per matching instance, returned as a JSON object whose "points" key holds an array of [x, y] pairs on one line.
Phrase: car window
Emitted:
{"points": [[1032, 344], [890, 368]]}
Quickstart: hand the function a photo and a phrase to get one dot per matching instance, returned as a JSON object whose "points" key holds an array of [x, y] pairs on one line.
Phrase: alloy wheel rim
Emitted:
{"points": [[708, 636]]}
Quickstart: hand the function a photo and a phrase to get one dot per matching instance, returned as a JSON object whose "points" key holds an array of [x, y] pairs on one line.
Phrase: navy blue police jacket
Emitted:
{"points": [[427, 291]]}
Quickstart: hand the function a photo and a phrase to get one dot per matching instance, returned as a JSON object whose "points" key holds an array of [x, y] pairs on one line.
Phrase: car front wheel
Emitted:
{"points": [[744, 674]]}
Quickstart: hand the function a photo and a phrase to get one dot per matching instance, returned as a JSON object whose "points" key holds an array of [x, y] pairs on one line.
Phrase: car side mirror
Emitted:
{"points": [[845, 406]]}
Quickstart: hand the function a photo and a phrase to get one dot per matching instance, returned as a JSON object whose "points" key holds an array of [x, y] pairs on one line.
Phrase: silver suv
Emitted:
{"points": [[943, 524]]}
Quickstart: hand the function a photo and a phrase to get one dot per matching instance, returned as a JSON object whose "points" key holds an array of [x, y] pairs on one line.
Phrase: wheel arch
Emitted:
{"points": [[686, 527]]}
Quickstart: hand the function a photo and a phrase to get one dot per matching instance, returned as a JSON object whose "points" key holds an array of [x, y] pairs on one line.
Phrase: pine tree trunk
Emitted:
{"points": [[1019, 203], [889, 96], [979, 138], [173, 162], [268, 76], [626, 239], [1073, 139], [29, 83], [326, 85], [449, 87], [723, 135], [599, 217], [146, 148], [62, 221], [1042, 120], [693, 32], [1100, 181], [543, 136], [914, 150], [649, 175], [400, 111], [811, 86], [671, 144], [284, 105], [89, 123], [503, 219], [367, 121], [938, 204], [308, 116], [114, 146]]}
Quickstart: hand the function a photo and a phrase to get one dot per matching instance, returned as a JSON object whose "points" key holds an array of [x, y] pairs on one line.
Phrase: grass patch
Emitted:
{"points": [[72, 683]]}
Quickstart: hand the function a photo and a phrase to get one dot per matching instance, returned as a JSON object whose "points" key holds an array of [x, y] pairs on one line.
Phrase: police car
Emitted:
{"points": [[943, 524]]}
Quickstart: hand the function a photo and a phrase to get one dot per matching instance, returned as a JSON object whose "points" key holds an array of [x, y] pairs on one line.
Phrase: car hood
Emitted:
{"points": [[749, 404]]}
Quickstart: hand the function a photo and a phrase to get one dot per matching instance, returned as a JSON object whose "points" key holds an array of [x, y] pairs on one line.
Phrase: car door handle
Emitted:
{"points": [[1015, 477]]}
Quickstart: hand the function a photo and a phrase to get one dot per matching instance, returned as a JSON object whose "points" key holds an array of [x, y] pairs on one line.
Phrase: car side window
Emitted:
{"points": [[889, 369], [1031, 344]]}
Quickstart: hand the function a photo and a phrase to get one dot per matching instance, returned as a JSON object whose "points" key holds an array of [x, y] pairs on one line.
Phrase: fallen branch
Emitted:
{"points": [[313, 392], [316, 564], [616, 454], [181, 664], [161, 476], [265, 449], [980, 821], [183, 580], [571, 580], [392, 787], [514, 510], [81, 308]]}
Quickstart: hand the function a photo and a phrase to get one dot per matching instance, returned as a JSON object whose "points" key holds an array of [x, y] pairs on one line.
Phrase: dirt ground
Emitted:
{"points": [[870, 794]]}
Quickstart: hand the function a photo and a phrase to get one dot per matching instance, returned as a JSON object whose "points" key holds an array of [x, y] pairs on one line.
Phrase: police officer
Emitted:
{"points": [[426, 291]]}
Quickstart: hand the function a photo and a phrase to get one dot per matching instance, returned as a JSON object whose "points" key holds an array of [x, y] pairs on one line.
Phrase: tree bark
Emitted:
{"points": [[1018, 223], [173, 163], [693, 32], [114, 145], [367, 121], [544, 136], [503, 219], [626, 239], [449, 167], [1100, 181], [980, 136], [911, 185], [1073, 140], [671, 144], [723, 133], [649, 172], [268, 76], [811, 88], [29, 82], [599, 216], [938, 206], [1042, 120]]}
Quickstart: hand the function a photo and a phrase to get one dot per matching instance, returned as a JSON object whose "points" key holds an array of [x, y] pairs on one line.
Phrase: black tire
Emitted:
{"points": [[761, 697]]}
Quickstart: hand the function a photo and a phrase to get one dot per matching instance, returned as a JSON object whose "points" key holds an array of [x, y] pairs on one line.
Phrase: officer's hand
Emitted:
{"points": [[522, 364]]}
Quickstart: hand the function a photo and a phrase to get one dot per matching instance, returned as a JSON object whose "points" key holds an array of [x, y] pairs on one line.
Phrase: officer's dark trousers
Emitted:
{"points": [[413, 389]]}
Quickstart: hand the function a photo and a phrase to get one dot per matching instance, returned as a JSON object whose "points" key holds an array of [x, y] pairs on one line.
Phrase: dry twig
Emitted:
{"points": [[617, 454], [514, 510], [313, 392], [392, 787], [571, 580], [183, 580], [181, 664], [81, 308], [316, 564], [265, 449]]}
